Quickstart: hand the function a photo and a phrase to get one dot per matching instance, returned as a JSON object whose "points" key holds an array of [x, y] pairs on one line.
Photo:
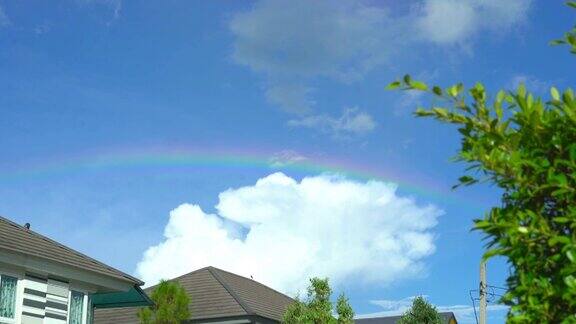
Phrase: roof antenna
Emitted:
{"points": [[27, 226], [251, 277]]}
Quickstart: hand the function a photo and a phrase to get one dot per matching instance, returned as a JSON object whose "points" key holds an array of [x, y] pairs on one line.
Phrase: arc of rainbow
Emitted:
{"points": [[185, 157]]}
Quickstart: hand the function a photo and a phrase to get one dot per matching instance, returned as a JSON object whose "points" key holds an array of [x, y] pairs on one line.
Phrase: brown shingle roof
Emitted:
{"points": [[16, 238], [214, 293]]}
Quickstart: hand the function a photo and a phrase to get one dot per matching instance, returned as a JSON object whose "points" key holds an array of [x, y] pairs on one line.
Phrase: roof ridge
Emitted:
{"points": [[254, 281], [60, 245], [179, 277], [232, 293]]}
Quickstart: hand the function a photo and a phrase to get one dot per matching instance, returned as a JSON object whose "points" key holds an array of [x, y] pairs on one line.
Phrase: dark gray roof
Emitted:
{"points": [[214, 293], [445, 316], [17, 238]]}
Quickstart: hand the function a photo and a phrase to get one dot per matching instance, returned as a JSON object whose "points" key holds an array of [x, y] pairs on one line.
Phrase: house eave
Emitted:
{"points": [[45, 267]]}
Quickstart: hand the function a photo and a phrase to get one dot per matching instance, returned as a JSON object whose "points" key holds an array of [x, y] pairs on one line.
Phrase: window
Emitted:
{"points": [[8, 287], [76, 315]]}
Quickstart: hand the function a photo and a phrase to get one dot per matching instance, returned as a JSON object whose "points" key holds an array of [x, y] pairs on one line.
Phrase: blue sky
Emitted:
{"points": [[149, 133]]}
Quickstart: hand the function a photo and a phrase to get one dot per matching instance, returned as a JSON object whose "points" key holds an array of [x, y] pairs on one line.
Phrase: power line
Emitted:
{"points": [[491, 295], [474, 304]]}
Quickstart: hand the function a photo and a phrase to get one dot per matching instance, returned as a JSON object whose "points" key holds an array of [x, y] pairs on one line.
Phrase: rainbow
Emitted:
{"points": [[192, 157]]}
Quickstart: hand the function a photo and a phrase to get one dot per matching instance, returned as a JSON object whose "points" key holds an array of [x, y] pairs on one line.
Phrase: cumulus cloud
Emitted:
{"points": [[456, 21], [293, 42], [464, 313], [323, 225], [351, 122]]}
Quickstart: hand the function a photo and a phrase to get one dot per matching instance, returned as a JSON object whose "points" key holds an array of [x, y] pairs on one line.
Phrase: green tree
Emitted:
{"points": [[344, 310], [526, 146], [421, 312], [170, 305], [317, 308]]}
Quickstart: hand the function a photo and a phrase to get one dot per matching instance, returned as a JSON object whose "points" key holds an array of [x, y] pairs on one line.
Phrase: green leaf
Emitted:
{"points": [[555, 94], [492, 252], [500, 96], [557, 42], [460, 87], [522, 229], [421, 112], [559, 239], [573, 152], [571, 256], [568, 95], [479, 86], [570, 281], [482, 224], [393, 85], [437, 90], [407, 79], [453, 91], [560, 192], [499, 112], [561, 179], [571, 4], [561, 219], [509, 99], [521, 91], [440, 112], [419, 85]]}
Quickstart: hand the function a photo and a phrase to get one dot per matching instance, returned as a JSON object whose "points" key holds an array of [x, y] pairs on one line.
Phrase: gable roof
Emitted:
{"points": [[19, 239], [446, 317], [215, 293]]}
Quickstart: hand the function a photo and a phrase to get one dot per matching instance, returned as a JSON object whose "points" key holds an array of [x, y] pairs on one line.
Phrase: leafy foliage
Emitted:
{"points": [[421, 312], [570, 36], [170, 305], [527, 147], [317, 308], [344, 310]]}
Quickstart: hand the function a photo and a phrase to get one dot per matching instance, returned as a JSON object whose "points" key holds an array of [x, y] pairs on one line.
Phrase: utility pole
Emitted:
{"points": [[483, 292]]}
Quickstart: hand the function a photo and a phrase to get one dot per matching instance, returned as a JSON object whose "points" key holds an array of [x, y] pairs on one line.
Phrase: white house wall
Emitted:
{"points": [[56, 302], [40, 300], [34, 301]]}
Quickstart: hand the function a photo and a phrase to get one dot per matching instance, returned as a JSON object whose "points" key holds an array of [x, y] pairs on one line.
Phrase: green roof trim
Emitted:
{"points": [[131, 298]]}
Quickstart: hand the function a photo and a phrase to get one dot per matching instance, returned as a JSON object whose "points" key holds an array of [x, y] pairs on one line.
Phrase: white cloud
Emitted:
{"points": [[447, 21], [293, 42], [456, 21], [324, 225], [351, 122], [291, 96], [286, 157], [464, 313]]}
